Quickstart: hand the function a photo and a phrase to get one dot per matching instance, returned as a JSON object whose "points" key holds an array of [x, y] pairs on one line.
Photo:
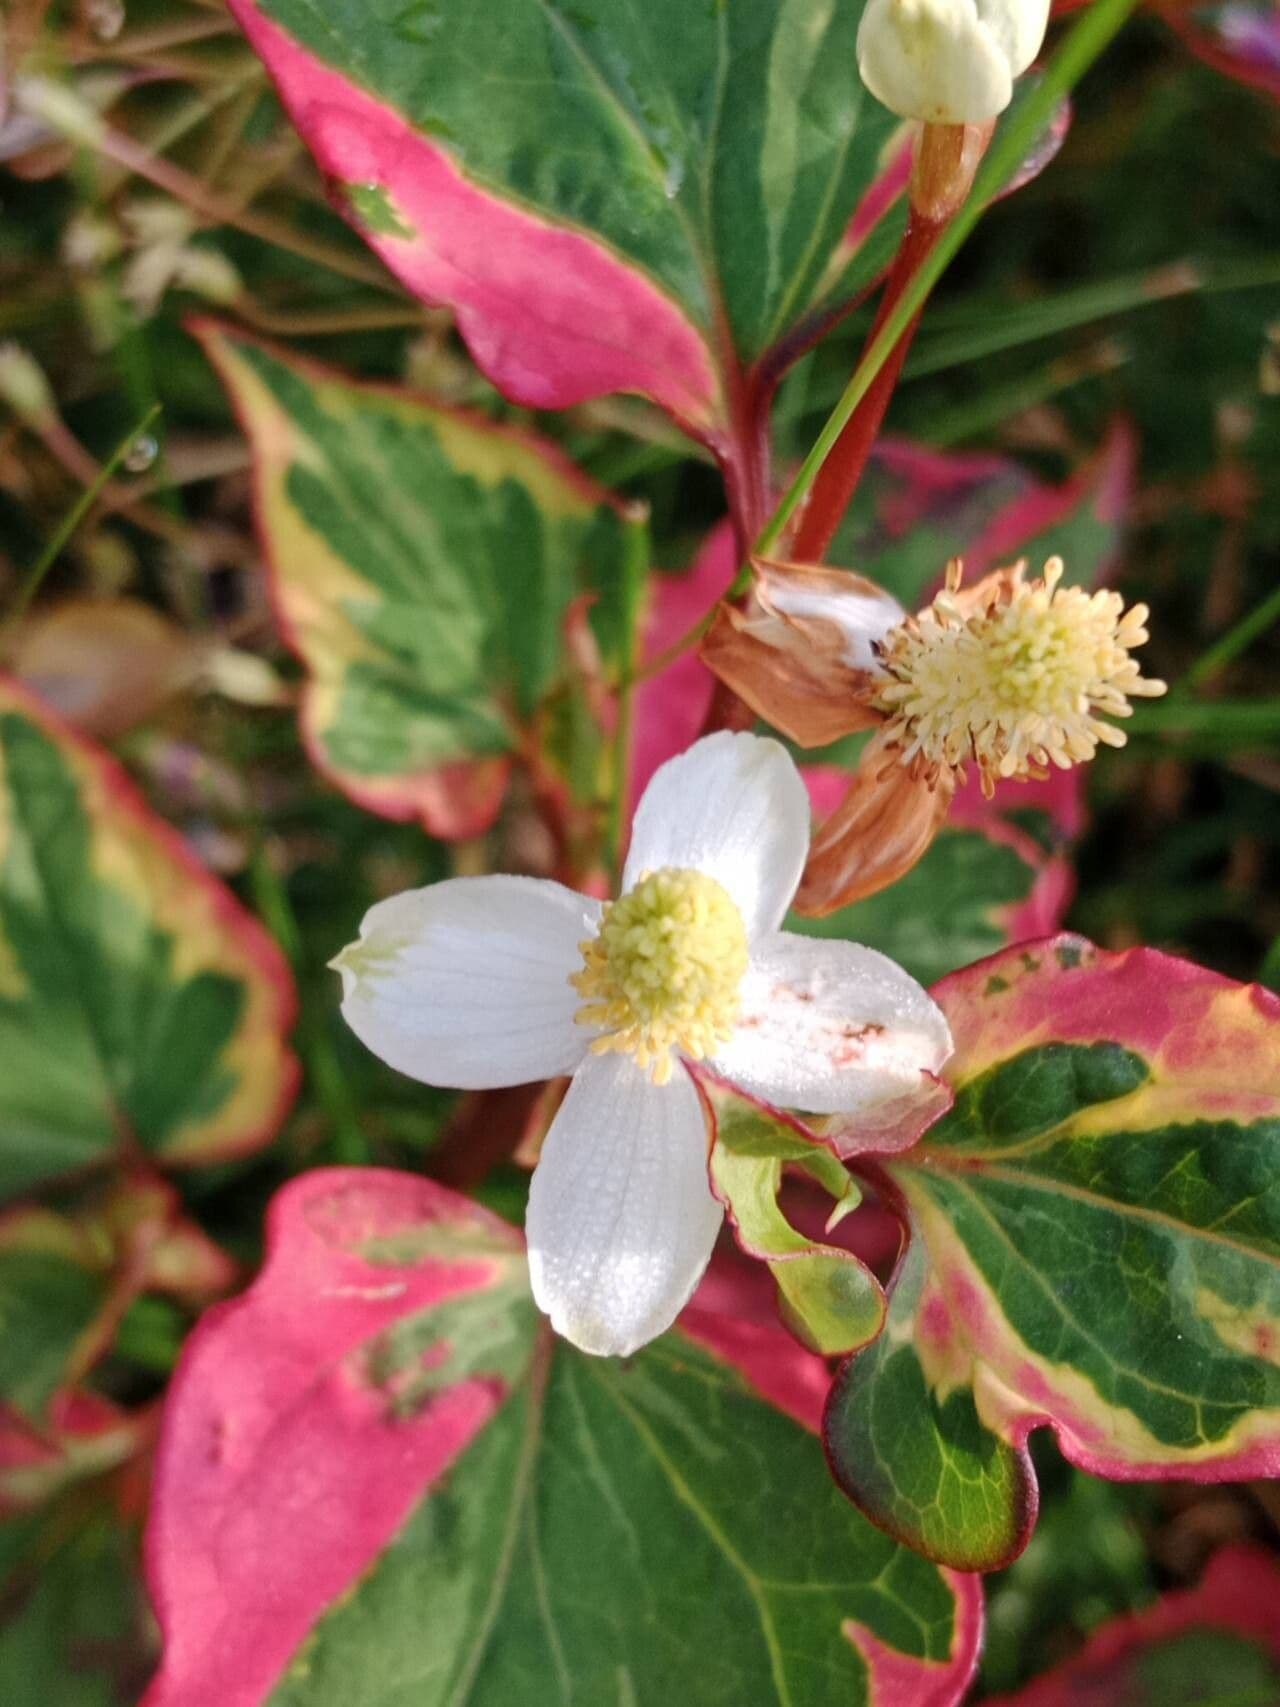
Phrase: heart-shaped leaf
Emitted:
{"points": [[140, 1005], [423, 564], [1096, 1229], [380, 1477]]}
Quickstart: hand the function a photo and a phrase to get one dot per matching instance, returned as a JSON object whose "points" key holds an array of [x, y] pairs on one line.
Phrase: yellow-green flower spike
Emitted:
{"points": [[1016, 686], [664, 970]]}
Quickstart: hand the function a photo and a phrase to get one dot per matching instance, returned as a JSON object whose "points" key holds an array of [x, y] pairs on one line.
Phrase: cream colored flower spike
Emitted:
{"points": [[948, 61]]}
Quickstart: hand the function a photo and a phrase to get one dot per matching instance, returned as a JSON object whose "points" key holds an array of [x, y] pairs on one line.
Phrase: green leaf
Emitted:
{"points": [[51, 1292], [139, 1004], [1098, 1227], [424, 562], [926, 1467], [829, 1300], [75, 1631]]}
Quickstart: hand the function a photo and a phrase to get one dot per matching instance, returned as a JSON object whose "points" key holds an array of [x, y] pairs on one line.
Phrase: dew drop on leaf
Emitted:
{"points": [[141, 454]]}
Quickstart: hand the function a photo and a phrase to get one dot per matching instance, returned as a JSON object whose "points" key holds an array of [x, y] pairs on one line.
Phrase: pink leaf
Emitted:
{"points": [[243, 1549]]}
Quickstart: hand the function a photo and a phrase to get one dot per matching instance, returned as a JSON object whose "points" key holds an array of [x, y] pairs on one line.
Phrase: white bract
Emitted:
{"points": [[485, 981], [948, 61]]}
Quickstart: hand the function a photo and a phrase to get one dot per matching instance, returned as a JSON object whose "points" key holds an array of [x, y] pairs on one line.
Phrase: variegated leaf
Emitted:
{"points": [[380, 1479], [1097, 1249], [602, 213], [140, 1006], [423, 563]]}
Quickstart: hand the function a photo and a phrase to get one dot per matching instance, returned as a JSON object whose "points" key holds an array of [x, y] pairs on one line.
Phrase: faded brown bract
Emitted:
{"points": [[882, 827], [791, 665]]}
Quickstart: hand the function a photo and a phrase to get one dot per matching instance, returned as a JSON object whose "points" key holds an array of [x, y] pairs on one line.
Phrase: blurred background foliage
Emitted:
{"points": [[1139, 275]]}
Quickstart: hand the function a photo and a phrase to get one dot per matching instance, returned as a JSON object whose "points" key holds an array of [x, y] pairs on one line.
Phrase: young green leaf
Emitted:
{"points": [[829, 1300]]}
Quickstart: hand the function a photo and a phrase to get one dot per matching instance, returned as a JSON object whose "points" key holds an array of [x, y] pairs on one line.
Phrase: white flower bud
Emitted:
{"points": [[948, 61]]}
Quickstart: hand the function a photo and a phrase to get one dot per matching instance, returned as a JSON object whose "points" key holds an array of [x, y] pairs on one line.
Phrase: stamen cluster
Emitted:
{"points": [[664, 970], [1022, 682]]}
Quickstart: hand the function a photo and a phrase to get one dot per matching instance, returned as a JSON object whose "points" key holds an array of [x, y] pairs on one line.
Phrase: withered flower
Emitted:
{"points": [[1011, 675]]}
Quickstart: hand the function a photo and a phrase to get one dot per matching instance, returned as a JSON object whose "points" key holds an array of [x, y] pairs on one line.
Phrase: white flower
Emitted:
{"points": [[948, 61], [485, 981]]}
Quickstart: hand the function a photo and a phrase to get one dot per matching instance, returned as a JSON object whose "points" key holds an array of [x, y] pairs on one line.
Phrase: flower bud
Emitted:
{"points": [[948, 61]]}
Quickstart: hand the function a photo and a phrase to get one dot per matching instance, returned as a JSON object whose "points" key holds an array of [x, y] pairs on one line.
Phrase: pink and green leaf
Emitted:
{"points": [[378, 1466], [1098, 1244], [423, 563], [1217, 1642], [602, 216], [140, 1006], [916, 508]]}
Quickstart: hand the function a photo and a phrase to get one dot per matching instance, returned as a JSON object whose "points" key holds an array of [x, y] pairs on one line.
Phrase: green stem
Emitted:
{"points": [[635, 572], [1095, 29], [71, 521], [1238, 723], [1235, 641]]}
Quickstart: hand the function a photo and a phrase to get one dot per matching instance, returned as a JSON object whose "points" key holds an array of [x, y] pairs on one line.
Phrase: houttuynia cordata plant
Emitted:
{"points": [[718, 1199]]}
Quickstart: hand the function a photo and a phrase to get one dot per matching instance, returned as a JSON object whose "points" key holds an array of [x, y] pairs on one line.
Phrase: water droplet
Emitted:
{"points": [[141, 454]]}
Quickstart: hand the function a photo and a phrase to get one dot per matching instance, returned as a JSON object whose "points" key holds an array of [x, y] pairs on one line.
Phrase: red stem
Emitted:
{"points": [[946, 158], [839, 475]]}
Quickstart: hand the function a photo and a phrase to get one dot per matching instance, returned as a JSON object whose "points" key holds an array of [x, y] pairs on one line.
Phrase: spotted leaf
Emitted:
{"points": [[1096, 1248]]}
